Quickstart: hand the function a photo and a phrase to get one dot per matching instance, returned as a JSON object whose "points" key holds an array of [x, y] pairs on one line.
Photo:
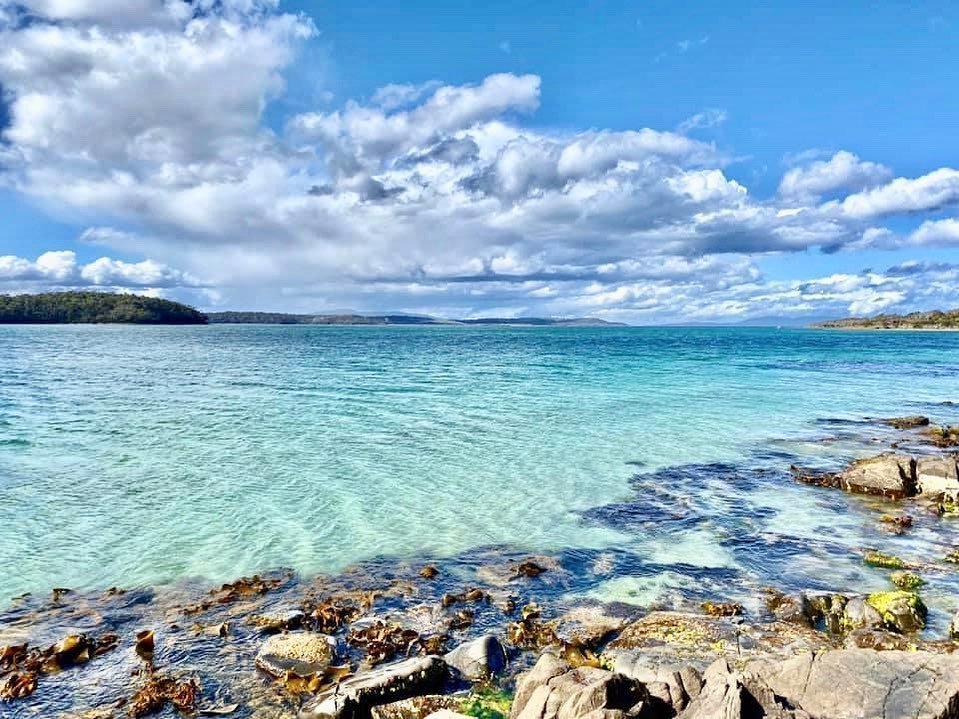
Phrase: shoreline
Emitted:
{"points": [[213, 644]]}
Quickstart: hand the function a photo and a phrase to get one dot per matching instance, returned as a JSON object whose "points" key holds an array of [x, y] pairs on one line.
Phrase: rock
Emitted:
{"points": [[887, 475], [901, 611], [481, 658], [858, 614], [587, 626], [279, 620], [787, 608], [910, 422], [447, 714], [675, 685], [554, 690], [877, 639], [304, 653], [861, 683], [732, 695], [937, 477], [355, 697], [954, 626], [828, 609], [417, 707]]}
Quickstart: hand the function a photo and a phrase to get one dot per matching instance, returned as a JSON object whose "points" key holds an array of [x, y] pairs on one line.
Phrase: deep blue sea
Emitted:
{"points": [[146, 455]]}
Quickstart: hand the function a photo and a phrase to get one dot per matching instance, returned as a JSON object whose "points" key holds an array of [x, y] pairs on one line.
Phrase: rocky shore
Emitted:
{"points": [[502, 637]]}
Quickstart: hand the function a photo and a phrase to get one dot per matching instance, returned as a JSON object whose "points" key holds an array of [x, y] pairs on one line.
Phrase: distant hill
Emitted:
{"points": [[95, 308], [279, 318], [935, 320]]}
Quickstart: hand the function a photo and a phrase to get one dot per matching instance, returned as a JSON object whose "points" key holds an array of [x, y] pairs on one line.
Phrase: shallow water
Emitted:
{"points": [[657, 458]]}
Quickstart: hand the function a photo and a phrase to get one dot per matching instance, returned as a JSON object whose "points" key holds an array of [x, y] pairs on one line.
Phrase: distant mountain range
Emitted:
{"points": [[279, 318], [935, 320]]}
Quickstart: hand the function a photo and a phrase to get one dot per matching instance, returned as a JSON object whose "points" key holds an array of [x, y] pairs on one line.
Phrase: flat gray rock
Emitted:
{"points": [[304, 653]]}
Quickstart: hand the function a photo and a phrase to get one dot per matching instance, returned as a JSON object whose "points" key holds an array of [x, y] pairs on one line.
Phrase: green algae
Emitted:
{"points": [[907, 580], [885, 561], [900, 610], [488, 704]]}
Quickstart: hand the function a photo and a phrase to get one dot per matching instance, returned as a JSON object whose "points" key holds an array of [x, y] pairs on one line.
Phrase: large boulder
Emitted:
{"points": [[864, 684], [887, 475], [480, 658], [554, 690], [354, 697], [302, 653], [937, 478]]}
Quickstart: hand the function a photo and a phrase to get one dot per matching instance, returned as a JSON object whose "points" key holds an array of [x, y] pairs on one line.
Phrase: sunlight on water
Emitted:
{"points": [[135, 455]]}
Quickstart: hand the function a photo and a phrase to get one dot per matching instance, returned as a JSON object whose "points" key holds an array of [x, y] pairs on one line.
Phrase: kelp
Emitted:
{"points": [[245, 587], [470, 595], [429, 572], [722, 609], [331, 614], [896, 524], [22, 666], [160, 690], [382, 640], [296, 683], [530, 569], [531, 631]]}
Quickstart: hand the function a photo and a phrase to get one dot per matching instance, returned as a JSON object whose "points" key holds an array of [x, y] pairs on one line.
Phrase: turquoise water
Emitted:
{"points": [[141, 455]]}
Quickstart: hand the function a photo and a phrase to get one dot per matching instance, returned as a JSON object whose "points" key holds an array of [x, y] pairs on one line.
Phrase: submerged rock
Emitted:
{"points": [[909, 422], [480, 658], [354, 697], [303, 653]]}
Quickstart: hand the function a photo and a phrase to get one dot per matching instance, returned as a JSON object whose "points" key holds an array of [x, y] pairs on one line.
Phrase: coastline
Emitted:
{"points": [[216, 649]]}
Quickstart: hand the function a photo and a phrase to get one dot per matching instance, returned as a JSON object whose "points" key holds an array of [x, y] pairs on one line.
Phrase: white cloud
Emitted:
{"points": [[843, 171], [936, 233], [60, 270], [706, 119], [431, 197], [933, 191]]}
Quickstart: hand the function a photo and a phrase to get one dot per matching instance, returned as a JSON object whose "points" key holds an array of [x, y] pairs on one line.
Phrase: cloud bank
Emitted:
{"points": [[144, 120]]}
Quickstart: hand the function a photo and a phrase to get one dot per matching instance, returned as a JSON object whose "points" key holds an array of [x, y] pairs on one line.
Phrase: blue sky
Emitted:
{"points": [[625, 160]]}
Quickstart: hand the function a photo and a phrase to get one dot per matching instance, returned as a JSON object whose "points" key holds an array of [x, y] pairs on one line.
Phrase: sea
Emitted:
{"points": [[653, 460]]}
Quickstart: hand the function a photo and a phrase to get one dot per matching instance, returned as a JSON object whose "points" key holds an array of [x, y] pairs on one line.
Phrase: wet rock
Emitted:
{"points": [[417, 707], [682, 633], [909, 422], [787, 608], [887, 475], [906, 580], [278, 620], [858, 614], [901, 611], [675, 685], [303, 653], [480, 658], [355, 697], [587, 626], [880, 559], [826, 609], [861, 683], [954, 626], [937, 478], [877, 639], [554, 690]]}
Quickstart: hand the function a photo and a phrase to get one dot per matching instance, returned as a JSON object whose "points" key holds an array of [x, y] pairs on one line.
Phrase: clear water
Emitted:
{"points": [[143, 455]]}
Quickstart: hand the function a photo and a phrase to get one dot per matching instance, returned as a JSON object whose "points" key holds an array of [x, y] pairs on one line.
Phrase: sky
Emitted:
{"points": [[643, 162]]}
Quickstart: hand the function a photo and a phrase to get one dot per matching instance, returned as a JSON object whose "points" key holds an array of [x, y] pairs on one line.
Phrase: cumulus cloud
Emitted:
{"points": [[59, 269], [843, 171], [147, 122]]}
